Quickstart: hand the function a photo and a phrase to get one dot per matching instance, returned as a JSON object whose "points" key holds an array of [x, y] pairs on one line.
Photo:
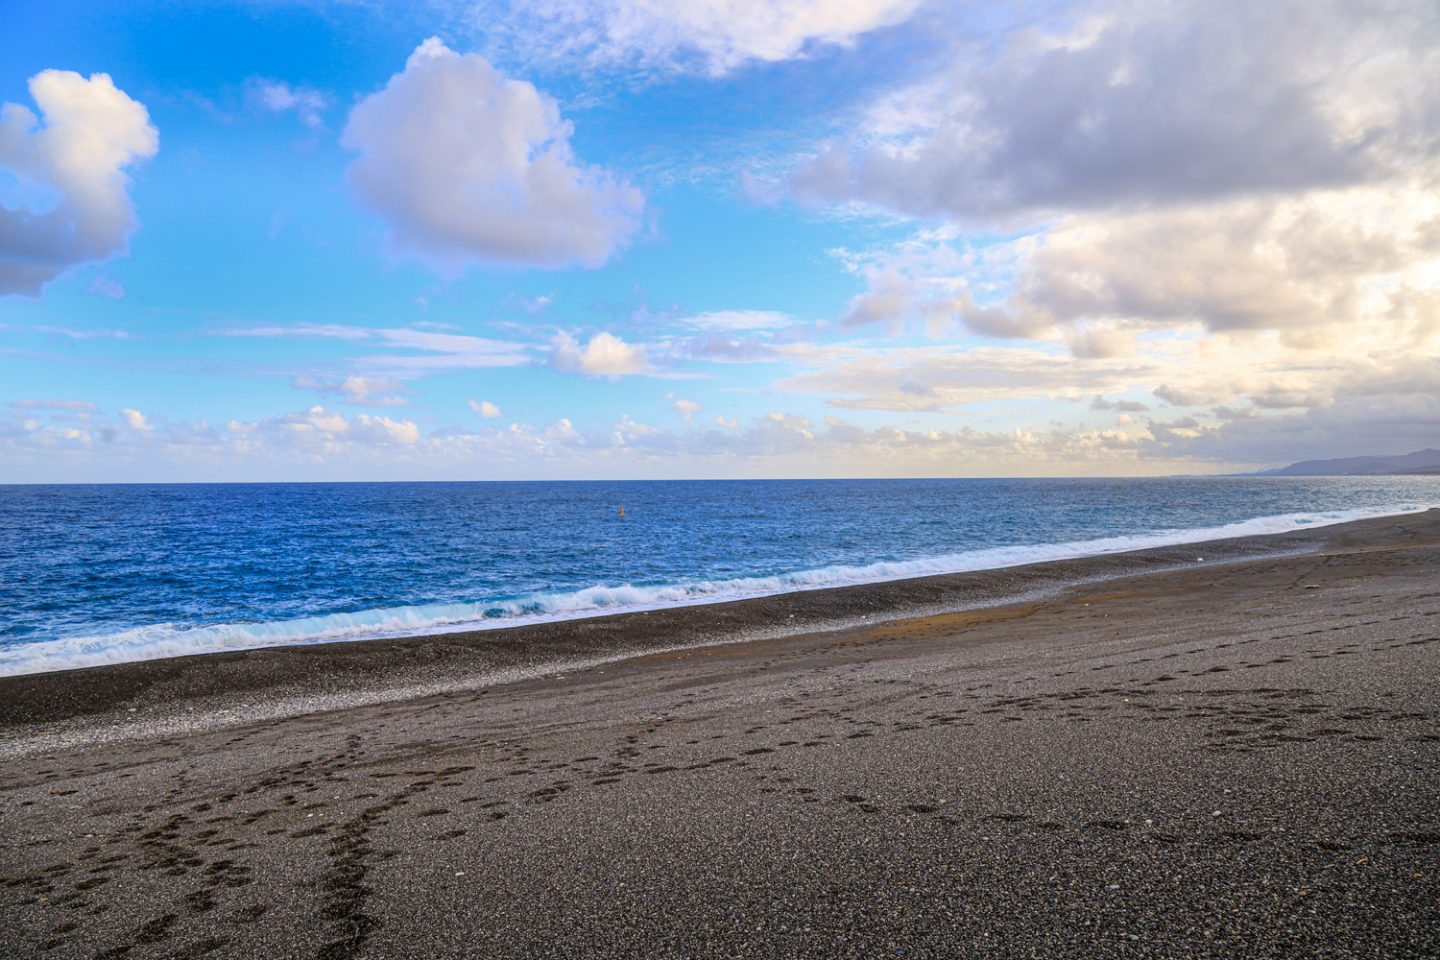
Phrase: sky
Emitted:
{"points": [[257, 240]]}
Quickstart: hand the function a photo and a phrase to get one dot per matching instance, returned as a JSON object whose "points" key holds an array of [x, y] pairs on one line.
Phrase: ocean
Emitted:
{"points": [[103, 574]]}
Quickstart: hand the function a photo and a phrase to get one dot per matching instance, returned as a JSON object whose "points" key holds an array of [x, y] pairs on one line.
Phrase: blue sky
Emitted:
{"points": [[468, 240]]}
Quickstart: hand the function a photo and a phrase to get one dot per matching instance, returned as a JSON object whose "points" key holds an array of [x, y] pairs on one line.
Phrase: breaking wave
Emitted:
{"points": [[176, 640]]}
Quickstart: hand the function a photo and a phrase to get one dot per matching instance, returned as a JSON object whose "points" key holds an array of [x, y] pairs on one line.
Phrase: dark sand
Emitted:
{"points": [[1141, 755]]}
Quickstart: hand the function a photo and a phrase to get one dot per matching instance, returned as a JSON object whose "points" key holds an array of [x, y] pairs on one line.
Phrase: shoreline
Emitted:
{"points": [[272, 682], [59, 655], [1156, 758]]}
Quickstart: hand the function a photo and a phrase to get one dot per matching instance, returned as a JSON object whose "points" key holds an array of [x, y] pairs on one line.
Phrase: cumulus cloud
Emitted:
{"points": [[707, 36], [606, 355], [1183, 101], [75, 155], [1351, 425], [686, 408], [76, 436], [77, 443], [466, 165], [1315, 267], [384, 430], [1312, 261], [485, 409], [318, 427]]}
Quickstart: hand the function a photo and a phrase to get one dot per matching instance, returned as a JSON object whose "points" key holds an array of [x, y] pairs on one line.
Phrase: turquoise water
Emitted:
{"points": [[98, 574]]}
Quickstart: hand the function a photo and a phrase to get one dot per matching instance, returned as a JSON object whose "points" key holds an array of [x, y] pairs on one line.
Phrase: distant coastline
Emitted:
{"points": [[1424, 463]]}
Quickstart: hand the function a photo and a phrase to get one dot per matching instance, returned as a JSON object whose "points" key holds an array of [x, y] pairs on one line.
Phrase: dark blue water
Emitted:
{"points": [[93, 574]]}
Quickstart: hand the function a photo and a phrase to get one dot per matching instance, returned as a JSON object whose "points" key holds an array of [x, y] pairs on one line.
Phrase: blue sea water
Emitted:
{"points": [[100, 574]]}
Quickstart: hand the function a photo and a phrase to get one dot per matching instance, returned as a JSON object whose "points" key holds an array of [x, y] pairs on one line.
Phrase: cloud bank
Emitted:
{"points": [[1155, 103]]}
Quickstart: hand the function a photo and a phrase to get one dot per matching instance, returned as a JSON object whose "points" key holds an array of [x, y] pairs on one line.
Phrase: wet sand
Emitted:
{"points": [[1139, 755]]}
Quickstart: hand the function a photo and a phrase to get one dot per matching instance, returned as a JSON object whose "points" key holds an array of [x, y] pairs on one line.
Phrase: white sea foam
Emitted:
{"points": [[176, 640]]}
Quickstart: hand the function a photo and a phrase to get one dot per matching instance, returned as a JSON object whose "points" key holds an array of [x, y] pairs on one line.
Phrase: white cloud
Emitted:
{"points": [[686, 408], [444, 351], [563, 430], [466, 165], [327, 331], [708, 36], [277, 96], [730, 320], [1102, 340], [606, 355], [319, 426], [890, 298], [361, 391], [1302, 263], [485, 409], [135, 419], [384, 430], [1145, 103], [74, 442], [91, 132], [1314, 266], [1368, 409], [1180, 397], [936, 379], [932, 278], [435, 350]]}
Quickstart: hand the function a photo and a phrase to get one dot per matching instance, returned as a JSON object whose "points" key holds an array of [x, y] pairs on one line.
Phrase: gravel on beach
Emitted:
{"points": [[1226, 750]]}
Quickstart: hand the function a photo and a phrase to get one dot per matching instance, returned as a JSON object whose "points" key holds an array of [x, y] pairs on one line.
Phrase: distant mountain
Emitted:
{"points": [[1421, 461]]}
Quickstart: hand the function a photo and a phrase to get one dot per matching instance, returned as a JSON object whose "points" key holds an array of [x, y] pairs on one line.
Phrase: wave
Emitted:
{"points": [[163, 640]]}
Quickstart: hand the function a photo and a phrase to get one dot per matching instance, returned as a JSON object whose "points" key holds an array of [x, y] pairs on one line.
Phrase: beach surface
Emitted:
{"points": [[1219, 749]]}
